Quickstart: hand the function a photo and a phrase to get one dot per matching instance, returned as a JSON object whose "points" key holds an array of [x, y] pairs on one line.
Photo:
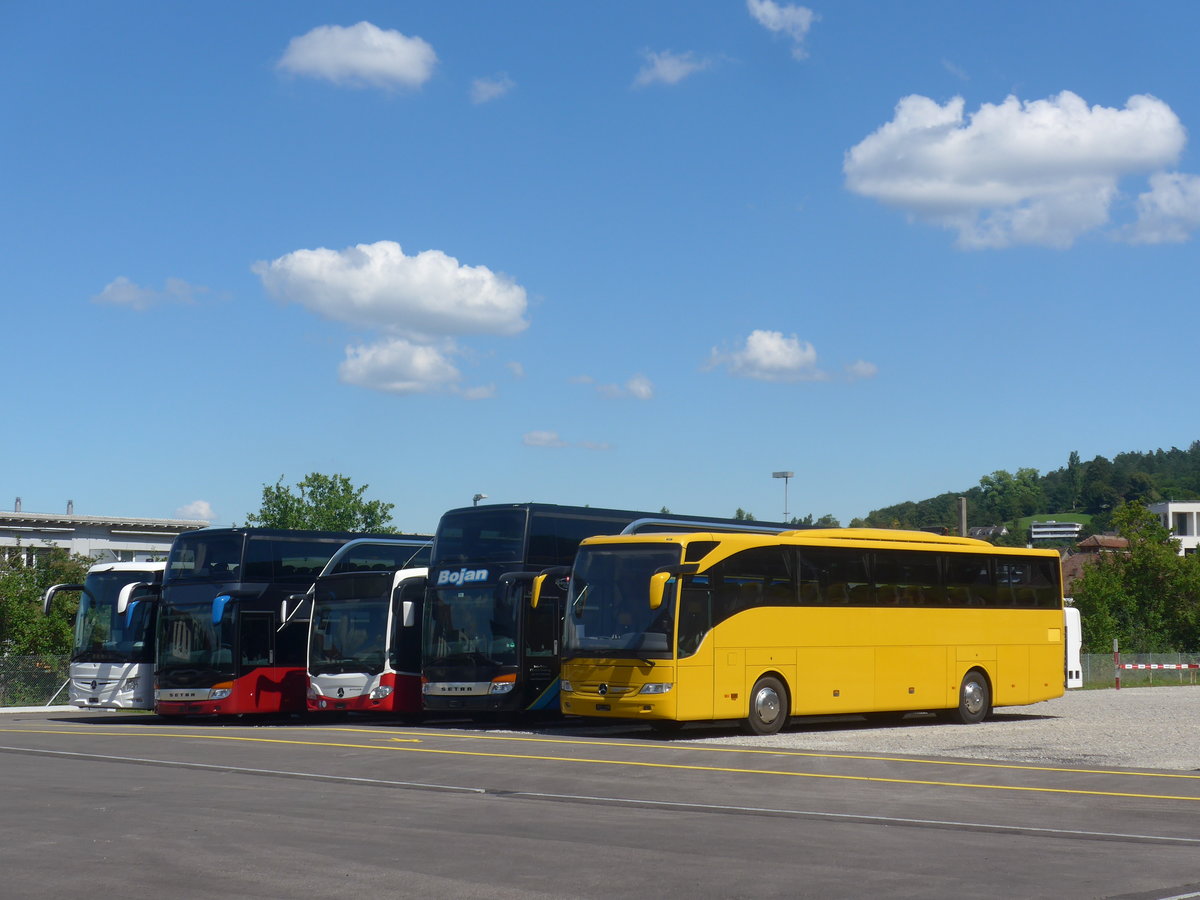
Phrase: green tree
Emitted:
{"points": [[742, 516], [24, 631], [1146, 596], [321, 503]]}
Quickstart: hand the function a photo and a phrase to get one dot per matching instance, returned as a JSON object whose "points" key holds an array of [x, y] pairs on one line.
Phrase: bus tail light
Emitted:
{"points": [[503, 684]]}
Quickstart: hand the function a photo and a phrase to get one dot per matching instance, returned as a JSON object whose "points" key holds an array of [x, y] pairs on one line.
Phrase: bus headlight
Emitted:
{"points": [[503, 685], [384, 690], [565, 686], [656, 687], [221, 691]]}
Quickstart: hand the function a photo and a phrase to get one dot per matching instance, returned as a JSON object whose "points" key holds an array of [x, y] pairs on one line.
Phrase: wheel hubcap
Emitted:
{"points": [[766, 705], [973, 697]]}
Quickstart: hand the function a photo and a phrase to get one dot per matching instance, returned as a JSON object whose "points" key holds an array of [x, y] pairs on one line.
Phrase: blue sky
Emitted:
{"points": [[631, 254]]}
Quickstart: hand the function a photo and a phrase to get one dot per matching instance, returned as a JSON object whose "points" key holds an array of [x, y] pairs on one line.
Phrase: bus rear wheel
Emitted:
{"points": [[974, 699], [768, 707]]}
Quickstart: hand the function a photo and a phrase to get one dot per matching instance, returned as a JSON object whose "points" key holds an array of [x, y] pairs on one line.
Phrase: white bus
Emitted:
{"points": [[112, 659]]}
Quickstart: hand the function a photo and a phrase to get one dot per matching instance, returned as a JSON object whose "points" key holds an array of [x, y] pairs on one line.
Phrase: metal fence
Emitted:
{"points": [[1100, 669], [33, 680]]}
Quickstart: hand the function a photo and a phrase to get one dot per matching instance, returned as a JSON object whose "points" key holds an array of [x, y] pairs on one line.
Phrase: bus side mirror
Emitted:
{"points": [[48, 597], [561, 575], [658, 581], [126, 594], [658, 585]]}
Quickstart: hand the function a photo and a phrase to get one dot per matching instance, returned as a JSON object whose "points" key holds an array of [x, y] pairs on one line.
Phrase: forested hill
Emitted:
{"points": [[1091, 488]]}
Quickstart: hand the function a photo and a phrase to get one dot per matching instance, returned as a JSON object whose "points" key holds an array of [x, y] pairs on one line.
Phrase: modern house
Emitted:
{"points": [[1054, 531], [1182, 520]]}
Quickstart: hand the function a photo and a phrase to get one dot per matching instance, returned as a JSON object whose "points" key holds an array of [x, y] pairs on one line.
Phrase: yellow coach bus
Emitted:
{"points": [[670, 628]]}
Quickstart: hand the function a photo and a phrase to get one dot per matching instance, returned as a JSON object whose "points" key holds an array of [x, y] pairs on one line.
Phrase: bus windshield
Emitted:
{"points": [[103, 635], [479, 536], [471, 625], [349, 625], [192, 641], [608, 606]]}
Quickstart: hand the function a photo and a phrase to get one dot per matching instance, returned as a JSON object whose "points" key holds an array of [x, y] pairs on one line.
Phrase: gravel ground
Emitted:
{"points": [[1142, 728]]}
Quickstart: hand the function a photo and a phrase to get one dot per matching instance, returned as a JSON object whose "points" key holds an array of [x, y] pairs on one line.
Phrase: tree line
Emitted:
{"points": [[1096, 488]]}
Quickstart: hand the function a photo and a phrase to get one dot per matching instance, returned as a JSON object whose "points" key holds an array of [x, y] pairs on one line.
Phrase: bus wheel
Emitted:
{"points": [[768, 707], [974, 699]]}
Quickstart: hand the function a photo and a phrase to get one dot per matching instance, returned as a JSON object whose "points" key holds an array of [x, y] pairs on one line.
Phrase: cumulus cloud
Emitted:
{"points": [[361, 55], [417, 303], [639, 387], [123, 292], [1169, 212], [398, 366], [1034, 172], [787, 19], [198, 509], [770, 356], [493, 87], [377, 285], [668, 67]]}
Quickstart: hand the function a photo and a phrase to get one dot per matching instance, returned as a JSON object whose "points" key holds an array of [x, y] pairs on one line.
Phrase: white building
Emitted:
{"points": [[106, 538], [1183, 521], [1054, 531]]}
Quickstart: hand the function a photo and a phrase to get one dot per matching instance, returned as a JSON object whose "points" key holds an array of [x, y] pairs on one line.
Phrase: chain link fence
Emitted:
{"points": [[33, 680], [1100, 669]]}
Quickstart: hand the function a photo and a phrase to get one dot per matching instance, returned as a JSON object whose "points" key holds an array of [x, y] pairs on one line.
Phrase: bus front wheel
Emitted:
{"points": [[768, 707], [974, 699]]}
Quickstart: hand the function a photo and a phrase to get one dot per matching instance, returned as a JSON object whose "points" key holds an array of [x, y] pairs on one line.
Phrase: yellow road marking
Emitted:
{"points": [[618, 763], [708, 748]]}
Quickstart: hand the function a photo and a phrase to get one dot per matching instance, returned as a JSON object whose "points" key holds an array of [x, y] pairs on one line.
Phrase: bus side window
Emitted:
{"points": [[694, 619]]}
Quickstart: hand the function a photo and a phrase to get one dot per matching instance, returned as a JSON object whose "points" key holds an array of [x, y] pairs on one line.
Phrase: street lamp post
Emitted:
{"points": [[475, 500], [785, 476]]}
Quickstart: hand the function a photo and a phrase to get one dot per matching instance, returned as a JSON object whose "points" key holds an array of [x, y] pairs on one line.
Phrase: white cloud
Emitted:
{"points": [[639, 387], [1169, 211], [668, 67], [493, 87], [398, 366], [543, 439], [360, 55], [861, 369], [123, 292], [787, 19], [1035, 172], [197, 509], [516, 369], [770, 356], [378, 286]]}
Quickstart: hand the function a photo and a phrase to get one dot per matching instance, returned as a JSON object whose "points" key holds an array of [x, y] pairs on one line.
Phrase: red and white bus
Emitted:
{"points": [[364, 640]]}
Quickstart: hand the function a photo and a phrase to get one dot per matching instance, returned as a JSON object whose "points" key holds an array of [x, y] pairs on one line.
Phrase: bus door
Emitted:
{"points": [[541, 636], [259, 688]]}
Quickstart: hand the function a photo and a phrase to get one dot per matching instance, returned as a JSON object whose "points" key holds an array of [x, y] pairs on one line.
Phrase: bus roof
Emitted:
{"points": [[829, 537]]}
